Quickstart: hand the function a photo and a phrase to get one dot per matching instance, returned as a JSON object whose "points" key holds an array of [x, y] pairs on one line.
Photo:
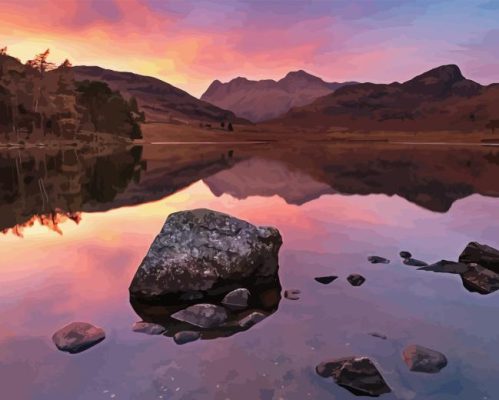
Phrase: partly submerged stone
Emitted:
{"points": [[405, 254], [423, 359], [325, 280], [356, 279], [378, 335], [184, 337], [237, 299], [252, 319], [77, 337], [203, 251], [378, 260], [481, 254], [446, 266], [202, 315], [359, 375], [292, 294], [413, 262], [148, 328]]}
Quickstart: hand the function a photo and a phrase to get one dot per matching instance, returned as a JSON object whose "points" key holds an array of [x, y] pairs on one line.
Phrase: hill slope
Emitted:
{"points": [[160, 101], [439, 99], [267, 99]]}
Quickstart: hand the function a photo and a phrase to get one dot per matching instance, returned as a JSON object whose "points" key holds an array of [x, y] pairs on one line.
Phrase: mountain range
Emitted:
{"points": [[267, 99], [439, 99]]}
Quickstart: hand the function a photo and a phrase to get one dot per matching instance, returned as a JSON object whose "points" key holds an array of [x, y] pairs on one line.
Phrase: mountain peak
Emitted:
{"points": [[448, 74]]}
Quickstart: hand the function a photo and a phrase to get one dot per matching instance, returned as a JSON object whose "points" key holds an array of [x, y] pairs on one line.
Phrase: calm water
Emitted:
{"points": [[76, 226]]}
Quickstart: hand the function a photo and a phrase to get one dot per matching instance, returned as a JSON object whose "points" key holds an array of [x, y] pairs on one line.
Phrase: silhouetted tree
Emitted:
{"points": [[133, 104], [222, 124], [3, 51], [66, 64], [40, 62], [229, 127]]}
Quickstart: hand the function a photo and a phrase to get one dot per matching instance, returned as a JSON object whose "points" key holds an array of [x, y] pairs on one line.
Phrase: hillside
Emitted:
{"points": [[160, 101], [439, 99], [266, 99]]}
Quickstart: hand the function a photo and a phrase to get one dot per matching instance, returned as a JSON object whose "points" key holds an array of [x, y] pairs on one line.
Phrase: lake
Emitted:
{"points": [[76, 226]]}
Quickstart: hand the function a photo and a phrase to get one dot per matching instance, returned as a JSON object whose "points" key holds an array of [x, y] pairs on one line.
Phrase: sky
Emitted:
{"points": [[190, 43]]}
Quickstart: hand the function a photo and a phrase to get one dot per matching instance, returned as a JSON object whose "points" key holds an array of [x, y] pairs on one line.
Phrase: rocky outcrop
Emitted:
{"points": [[359, 375], [206, 253], [423, 359], [77, 337]]}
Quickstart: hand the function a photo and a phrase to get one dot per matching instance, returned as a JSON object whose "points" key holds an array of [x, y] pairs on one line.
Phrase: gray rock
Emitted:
{"points": [[378, 260], [479, 279], [445, 266], [252, 319], [359, 375], [414, 262], [481, 254], [202, 315], [237, 299], [423, 359], [77, 337], [405, 254], [199, 250], [148, 328], [292, 294], [184, 337], [356, 279]]}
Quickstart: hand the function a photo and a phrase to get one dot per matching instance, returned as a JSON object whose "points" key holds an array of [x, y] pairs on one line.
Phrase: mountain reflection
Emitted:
{"points": [[52, 186]]}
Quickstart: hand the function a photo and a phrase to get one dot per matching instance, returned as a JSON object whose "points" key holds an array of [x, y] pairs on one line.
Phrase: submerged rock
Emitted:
{"points": [[414, 262], [237, 299], [356, 279], [325, 280], [359, 375], [77, 337], [184, 337], [292, 294], [405, 254], [481, 254], [378, 260], [204, 251], [202, 315], [423, 359], [252, 319], [148, 328]]}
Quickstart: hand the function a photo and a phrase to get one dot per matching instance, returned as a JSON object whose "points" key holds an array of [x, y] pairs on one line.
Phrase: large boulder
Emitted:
{"points": [[422, 359], [359, 375], [481, 254], [77, 337], [204, 253]]}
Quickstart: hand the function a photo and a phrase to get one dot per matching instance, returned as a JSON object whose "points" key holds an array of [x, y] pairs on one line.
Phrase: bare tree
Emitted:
{"points": [[40, 62]]}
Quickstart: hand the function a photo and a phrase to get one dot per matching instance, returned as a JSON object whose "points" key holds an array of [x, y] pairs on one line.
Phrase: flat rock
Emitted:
{"points": [[202, 315], [77, 337], [378, 260], [325, 280], [359, 375], [356, 279], [252, 319], [292, 294], [201, 250], [148, 328], [184, 337], [481, 254], [423, 359], [445, 266], [413, 262], [237, 299], [405, 254]]}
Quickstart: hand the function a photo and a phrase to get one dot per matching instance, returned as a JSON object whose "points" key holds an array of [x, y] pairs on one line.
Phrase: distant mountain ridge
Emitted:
{"points": [[160, 101], [266, 99], [439, 99]]}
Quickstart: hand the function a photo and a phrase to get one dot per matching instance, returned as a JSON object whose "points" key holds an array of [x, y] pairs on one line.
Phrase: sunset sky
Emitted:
{"points": [[190, 43]]}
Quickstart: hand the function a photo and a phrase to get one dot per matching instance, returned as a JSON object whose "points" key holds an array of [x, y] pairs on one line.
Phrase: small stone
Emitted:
{"points": [[405, 254], [148, 328], [251, 319], [292, 294], [326, 279], [378, 260], [359, 375], [202, 315], [378, 335], [356, 279], [423, 359], [184, 337], [237, 299], [77, 337], [414, 262]]}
